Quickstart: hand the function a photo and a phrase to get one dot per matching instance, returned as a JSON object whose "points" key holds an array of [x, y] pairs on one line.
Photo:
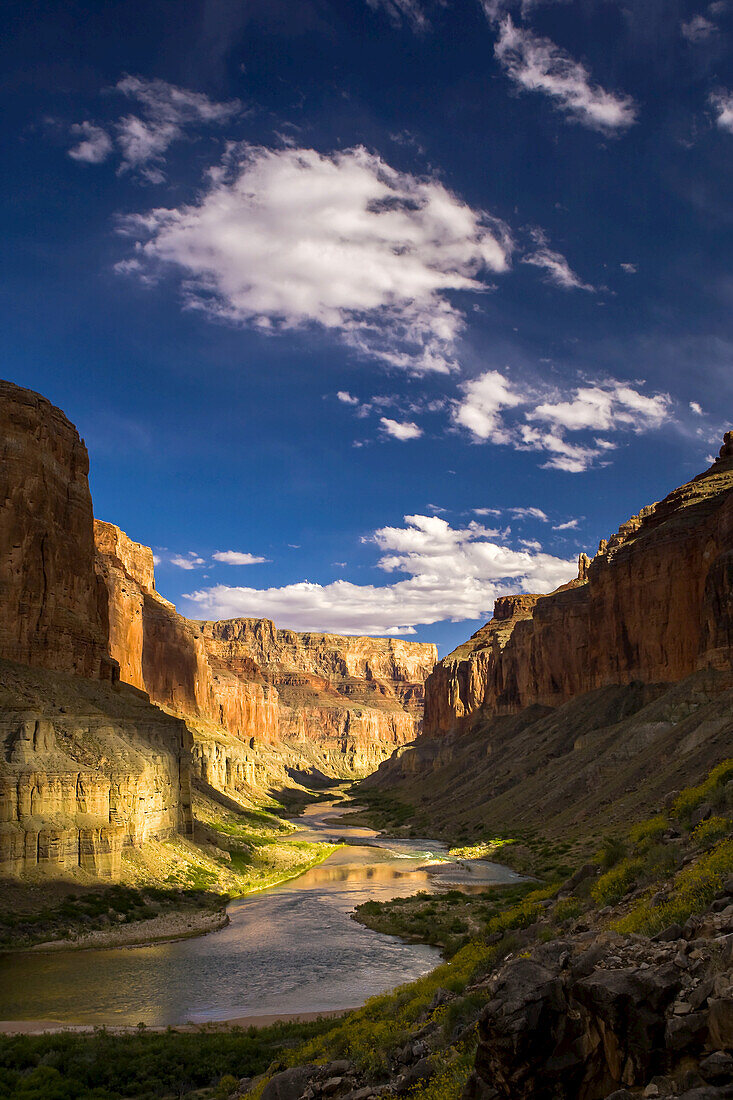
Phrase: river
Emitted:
{"points": [[291, 949]]}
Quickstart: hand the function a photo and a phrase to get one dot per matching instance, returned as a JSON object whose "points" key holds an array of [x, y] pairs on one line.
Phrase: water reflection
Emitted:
{"points": [[291, 949]]}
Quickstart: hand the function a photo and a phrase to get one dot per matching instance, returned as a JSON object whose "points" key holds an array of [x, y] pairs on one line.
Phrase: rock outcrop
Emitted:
{"points": [[85, 772], [654, 605], [52, 607], [329, 703], [598, 1014]]}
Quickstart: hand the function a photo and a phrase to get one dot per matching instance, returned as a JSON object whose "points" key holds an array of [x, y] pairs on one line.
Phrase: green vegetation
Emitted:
{"points": [[710, 790], [99, 910], [617, 882], [144, 1064], [710, 831], [483, 850], [691, 892]]}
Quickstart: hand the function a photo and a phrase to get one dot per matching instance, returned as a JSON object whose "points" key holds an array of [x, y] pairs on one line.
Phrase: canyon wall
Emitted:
{"points": [[87, 766], [335, 704], [52, 607], [654, 605]]}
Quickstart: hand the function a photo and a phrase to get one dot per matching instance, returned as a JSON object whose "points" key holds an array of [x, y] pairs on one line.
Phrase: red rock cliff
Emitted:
{"points": [[52, 607], [347, 701], [655, 604]]}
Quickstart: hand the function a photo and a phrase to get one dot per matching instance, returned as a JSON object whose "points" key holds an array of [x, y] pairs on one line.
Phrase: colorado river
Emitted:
{"points": [[291, 949]]}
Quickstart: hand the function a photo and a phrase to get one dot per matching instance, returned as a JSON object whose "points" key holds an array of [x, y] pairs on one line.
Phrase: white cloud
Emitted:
{"points": [[569, 525], [529, 513], [402, 430], [485, 410], [449, 574], [166, 110], [557, 268], [347, 398], [237, 557], [486, 511], [630, 269], [698, 29], [696, 408], [95, 144], [538, 65], [284, 238], [189, 561], [722, 104], [484, 399], [605, 408]]}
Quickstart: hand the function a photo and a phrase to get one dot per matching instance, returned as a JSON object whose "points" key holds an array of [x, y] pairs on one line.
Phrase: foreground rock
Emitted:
{"points": [[591, 1015]]}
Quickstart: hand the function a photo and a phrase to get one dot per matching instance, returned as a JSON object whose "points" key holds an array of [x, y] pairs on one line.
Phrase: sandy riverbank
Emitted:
{"points": [[168, 926], [52, 1027]]}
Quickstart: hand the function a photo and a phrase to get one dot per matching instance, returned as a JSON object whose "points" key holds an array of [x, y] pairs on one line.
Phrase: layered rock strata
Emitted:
{"points": [[328, 703], [654, 604], [86, 772]]}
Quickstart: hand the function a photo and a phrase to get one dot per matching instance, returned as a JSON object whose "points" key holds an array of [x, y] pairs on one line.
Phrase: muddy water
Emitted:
{"points": [[293, 948]]}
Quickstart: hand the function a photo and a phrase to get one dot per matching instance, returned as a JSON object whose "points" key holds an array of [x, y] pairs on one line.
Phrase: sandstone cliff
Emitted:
{"points": [[87, 767], [322, 702], [52, 608], [654, 604]]}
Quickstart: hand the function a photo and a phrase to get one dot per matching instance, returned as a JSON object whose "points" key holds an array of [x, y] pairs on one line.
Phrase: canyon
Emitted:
{"points": [[112, 704]]}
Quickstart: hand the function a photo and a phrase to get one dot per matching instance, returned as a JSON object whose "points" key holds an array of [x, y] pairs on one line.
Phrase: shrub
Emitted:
{"points": [[611, 851], [694, 889], [710, 790], [617, 882], [649, 831], [567, 909], [709, 832]]}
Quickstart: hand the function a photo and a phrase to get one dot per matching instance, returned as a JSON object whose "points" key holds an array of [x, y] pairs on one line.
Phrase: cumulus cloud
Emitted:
{"points": [[484, 399], [722, 104], [630, 269], [496, 410], [448, 573], [237, 557], [187, 561], [402, 430], [285, 238], [347, 398], [696, 408], [605, 408], [94, 146], [536, 64]]}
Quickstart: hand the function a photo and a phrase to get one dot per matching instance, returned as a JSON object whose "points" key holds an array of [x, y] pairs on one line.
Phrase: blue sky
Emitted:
{"points": [[371, 311]]}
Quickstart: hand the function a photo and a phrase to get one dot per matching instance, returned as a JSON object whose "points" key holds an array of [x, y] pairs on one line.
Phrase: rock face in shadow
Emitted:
{"points": [[338, 704], [52, 607], [654, 605]]}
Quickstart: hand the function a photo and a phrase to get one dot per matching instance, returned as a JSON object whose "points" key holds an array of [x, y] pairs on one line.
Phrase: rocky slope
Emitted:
{"points": [[336, 704]]}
